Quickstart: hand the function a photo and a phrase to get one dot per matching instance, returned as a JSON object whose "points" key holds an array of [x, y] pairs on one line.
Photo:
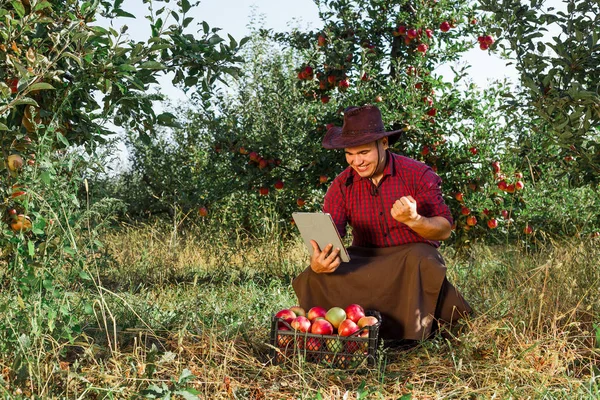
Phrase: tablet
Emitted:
{"points": [[319, 227]]}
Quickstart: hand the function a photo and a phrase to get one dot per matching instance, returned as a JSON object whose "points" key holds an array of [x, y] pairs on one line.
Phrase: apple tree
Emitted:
{"points": [[556, 51], [65, 83]]}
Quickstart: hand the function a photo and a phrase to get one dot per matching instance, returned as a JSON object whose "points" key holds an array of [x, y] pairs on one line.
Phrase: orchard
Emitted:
{"points": [[157, 276]]}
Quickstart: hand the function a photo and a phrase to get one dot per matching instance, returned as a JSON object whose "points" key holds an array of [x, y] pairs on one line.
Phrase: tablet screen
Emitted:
{"points": [[319, 227]]}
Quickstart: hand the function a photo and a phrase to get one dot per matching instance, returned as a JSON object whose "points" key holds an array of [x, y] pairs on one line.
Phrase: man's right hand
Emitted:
{"points": [[326, 261]]}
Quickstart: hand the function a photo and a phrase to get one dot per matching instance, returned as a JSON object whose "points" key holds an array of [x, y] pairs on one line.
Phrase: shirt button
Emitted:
{"points": [[385, 234], [381, 213]]}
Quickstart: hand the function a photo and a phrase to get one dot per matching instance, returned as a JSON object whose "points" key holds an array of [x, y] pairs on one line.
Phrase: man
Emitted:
{"points": [[398, 216]]}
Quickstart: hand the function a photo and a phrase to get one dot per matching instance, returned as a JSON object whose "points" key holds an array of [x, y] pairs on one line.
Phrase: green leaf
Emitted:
{"points": [[215, 39], [26, 100], [73, 57], [41, 86], [168, 119], [46, 177], [122, 13], [127, 68], [185, 6], [205, 27], [84, 275], [153, 65], [30, 248], [3, 127], [61, 138], [188, 394], [19, 8], [187, 21]]}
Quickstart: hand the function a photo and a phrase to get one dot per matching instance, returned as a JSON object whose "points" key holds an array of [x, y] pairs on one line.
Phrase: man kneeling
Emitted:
{"points": [[398, 217]]}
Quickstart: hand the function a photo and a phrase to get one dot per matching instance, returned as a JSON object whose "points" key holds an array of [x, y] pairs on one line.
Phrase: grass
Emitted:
{"points": [[191, 315]]}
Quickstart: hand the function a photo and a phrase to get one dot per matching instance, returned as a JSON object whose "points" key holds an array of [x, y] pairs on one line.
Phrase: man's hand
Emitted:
{"points": [[326, 261], [405, 210], [431, 228]]}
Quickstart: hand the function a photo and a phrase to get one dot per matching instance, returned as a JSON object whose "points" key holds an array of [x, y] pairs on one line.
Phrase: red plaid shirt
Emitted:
{"points": [[357, 202]]}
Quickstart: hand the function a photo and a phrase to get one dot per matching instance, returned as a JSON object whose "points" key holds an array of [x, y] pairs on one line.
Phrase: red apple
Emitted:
{"points": [[429, 33], [496, 166], [354, 312], [316, 312], [411, 33], [347, 327], [335, 315], [505, 214], [203, 211], [356, 346], [344, 84], [519, 175], [492, 223], [367, 321], [519, 185], [313, 344], [263, 191], [323, 179], [253, 156], [324, 99], [459, 197], [510, 188], [301, 324], [528, 230], [502, 185], [473, 150], [444, 26], [321, 41], [378, 99], [286, 315], [422, 48], [321, 327], [300, 202], [278, 185], [471, 220], [299, 311], [465, 210], [432, 112]]}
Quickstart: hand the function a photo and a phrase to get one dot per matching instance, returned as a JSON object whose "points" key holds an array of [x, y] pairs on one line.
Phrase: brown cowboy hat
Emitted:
{"points": [[362, 125]]}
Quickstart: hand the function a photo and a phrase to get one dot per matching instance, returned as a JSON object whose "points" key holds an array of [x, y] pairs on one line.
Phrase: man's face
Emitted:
{"points": [[363, 158]]}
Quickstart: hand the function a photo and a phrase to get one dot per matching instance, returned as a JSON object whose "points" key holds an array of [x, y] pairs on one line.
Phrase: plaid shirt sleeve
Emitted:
{"points": [[335, 204], [429, 196]]}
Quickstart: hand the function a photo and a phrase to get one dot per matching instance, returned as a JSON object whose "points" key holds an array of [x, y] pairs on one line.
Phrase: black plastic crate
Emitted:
{"points": [[345, 352]]}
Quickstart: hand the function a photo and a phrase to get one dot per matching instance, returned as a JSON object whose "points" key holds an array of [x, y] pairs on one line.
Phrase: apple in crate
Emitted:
{"points": [[335, 315], [315, 313], [354, 312], [367, 321], [299, 311], [286, 315], [301, 324], [322, 327]]}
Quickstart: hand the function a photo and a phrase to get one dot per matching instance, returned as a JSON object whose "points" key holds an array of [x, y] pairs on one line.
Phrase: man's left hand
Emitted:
{"points": [[405, 210]]}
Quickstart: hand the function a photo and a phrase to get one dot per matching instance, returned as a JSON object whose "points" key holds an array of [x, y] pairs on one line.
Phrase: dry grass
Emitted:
{"points": [[205, 303]]}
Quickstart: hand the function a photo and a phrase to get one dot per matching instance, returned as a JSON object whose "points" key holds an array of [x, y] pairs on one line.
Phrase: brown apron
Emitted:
{"points": [[407, 284]]}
